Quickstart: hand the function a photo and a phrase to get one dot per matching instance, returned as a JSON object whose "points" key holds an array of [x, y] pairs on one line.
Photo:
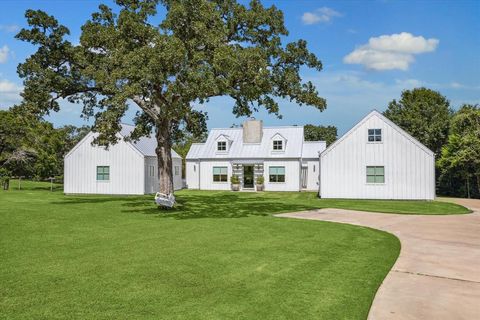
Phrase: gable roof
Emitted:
{"points": [[145, 145], [387, 121]]}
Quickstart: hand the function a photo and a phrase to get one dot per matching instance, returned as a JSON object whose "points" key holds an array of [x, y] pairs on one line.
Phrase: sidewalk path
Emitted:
{"points": [[437, 275]]}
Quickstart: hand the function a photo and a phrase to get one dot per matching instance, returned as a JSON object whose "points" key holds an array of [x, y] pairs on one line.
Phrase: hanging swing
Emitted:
{"points": [[164, 200]]}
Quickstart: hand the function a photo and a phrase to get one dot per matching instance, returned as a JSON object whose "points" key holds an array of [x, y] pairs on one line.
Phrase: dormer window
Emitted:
{"points": [[222, 146], [374, 135], [278, 145]]}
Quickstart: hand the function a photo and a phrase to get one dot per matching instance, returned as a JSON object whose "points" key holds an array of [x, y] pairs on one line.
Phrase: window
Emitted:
{"points": [[220, 174], [151, 171], [103, 173], [374, 135], [177, 170], [376, 174], [222, 146], [277, 145], [277, 174]]}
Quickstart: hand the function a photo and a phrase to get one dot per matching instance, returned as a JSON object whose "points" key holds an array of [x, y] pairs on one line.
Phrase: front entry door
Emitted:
{"points": [[248, 176]]}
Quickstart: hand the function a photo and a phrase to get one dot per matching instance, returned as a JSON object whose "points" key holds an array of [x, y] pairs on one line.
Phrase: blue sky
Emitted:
{"points": [[371, 51]]}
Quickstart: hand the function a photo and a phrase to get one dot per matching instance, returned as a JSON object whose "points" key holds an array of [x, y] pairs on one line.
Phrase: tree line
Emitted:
{"points": [[31, 147]]}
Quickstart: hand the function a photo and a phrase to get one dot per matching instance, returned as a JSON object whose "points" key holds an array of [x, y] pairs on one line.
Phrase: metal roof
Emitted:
{"points": [[294, 145], [195, 150], [312, 149], [146, 145]]}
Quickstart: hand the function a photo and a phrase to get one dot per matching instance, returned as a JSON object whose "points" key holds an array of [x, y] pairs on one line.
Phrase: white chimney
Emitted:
{"points": [[252, 131]]}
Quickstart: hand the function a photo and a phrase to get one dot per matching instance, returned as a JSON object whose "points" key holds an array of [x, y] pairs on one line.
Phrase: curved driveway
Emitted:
{"points": [[437, 275]]}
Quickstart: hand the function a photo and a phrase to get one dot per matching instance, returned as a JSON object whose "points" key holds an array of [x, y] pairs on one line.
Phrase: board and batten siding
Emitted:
{"points": [[292, 175], [151, 174], [313, 166], [192, 170], [409, 166], [206, 175], [126, 169]]}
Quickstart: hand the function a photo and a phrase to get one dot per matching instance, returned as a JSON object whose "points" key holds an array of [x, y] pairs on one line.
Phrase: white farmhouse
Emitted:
{"points": [[125, 168], [279, 154], [376, 159]]}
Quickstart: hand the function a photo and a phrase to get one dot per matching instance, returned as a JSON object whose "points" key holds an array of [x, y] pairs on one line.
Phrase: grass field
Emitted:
{"points": [[219, 255]]}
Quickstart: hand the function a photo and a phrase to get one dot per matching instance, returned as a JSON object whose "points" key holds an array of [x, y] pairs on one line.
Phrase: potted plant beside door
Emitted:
{"points": [[260, 181], [235, 183]]}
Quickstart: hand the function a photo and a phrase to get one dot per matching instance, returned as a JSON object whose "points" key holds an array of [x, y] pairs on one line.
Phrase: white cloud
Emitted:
{"points": [[321, 15], [9, 93], [9, 28], [388, 52], [4, 51]]}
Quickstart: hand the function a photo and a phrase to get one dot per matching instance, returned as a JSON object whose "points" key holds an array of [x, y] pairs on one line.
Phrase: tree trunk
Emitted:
{"points": [[164, 156]]}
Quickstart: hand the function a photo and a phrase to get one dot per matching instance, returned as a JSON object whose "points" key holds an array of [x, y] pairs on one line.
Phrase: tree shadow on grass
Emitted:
{"points": [[195, 205], [223, 205]]}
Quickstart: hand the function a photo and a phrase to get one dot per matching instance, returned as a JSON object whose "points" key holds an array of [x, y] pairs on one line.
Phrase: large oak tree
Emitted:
{"points": [[201, 49]]}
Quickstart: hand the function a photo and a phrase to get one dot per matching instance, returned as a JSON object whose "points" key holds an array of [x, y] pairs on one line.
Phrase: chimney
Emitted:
{"points": [[252, 131]]}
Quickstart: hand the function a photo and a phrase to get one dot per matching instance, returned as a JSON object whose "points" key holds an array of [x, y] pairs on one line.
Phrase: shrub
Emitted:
{"points": [[234, 179], [260, 180]]}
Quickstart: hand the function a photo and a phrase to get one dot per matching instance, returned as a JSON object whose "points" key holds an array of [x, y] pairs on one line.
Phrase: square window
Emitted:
{"points": [[220, 174], [277, 145], [221, 146], [103, 173], [375, 174], [276, 174], [374, 135]]}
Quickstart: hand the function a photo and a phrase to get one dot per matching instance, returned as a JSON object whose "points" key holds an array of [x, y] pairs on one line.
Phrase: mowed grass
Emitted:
{"points": [[218, 255]]}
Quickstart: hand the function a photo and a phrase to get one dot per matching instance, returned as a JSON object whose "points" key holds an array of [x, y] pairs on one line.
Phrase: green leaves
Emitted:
{"points": [[200, 50], [425, 114]]}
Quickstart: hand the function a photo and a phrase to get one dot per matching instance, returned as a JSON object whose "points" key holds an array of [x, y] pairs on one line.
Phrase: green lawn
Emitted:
{"points": [[219, 255]]}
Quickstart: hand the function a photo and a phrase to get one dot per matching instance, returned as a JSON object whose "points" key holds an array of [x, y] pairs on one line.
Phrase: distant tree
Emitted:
{"points": [[16, 140], [182, 146], [460, 157], [423, 113], [317, 133], [32, 147], [200, 50]]}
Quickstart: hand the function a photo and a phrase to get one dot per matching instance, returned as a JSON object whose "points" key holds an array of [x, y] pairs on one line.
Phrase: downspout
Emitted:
{"points": [[199, 173], [319, 174]]}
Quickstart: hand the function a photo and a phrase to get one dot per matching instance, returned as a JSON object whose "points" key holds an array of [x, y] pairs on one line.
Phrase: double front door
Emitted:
{"points": [[248, 176]]}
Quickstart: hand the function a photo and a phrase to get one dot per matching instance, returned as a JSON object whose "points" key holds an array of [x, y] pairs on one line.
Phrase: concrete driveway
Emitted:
{"points": [[437, 275]]}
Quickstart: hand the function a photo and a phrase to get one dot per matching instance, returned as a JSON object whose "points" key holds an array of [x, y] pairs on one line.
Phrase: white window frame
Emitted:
{"points": [[277, 175], [375, 175], [103, 174], [151, 171], [375, 134], [275, 147], [223, 142], [177, 170], [220, 174]]}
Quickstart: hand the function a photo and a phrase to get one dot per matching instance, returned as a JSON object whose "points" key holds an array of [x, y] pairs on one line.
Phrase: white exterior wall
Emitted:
{"points": [[409, 168], [126, 169], [292, 175], [151, 180], [313, 174], [206, 175], [191, 173]]}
